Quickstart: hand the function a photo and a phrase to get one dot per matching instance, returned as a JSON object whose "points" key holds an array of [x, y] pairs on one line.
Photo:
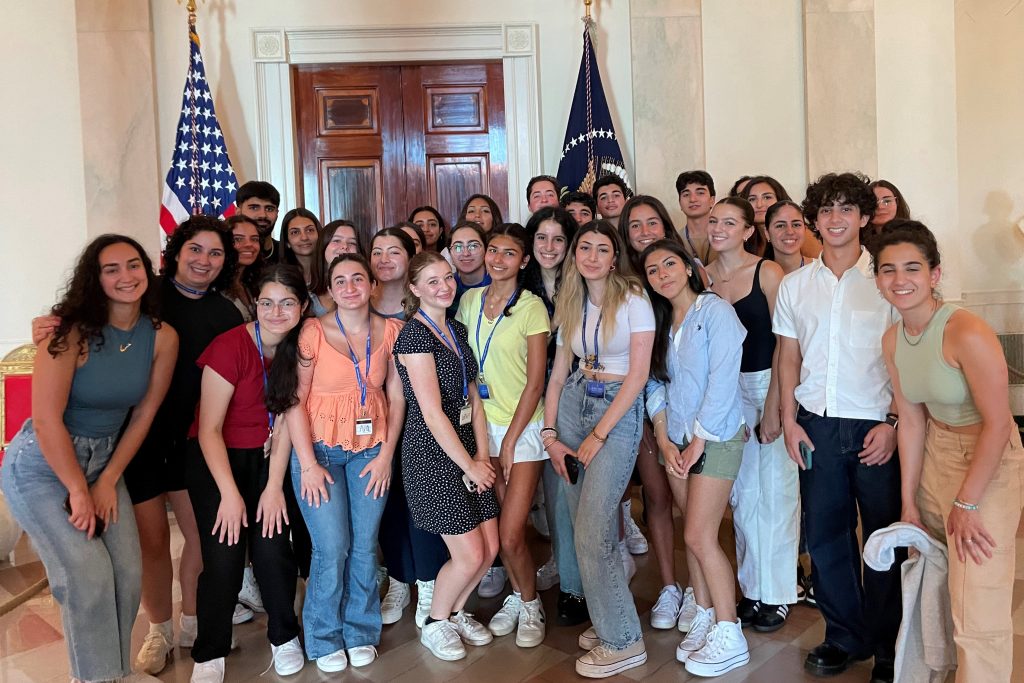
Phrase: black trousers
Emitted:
{"points": [[302, 544], [410, 554], [272, 559], [862, 607]]}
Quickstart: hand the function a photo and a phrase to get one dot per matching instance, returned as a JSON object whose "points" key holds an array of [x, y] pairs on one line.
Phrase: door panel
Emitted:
{"points": [[353, 188], [450, 180]]}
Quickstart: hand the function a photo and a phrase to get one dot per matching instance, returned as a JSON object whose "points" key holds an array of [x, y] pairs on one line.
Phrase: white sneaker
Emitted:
{"points": [[288, 658], [531, 629], [697, 635], [588, 640], [156, 648], [506, 619], [603, 661], [250, 595], [362, 655], [666, 610], [188, 628], [332, 663], [424, 596], [726, 649], [208, 672], [242, 615], [469, 629], [493, 583], [688, 611], [628, 563], [442, 641], [396, 600], [636, 543], [547, 575]]}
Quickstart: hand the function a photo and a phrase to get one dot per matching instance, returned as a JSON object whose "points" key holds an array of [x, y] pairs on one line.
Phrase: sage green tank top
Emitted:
{"points": [[927, 378]]}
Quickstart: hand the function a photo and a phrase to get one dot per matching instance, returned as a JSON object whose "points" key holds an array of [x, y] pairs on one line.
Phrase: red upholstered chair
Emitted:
{"points": [[15, 392]]}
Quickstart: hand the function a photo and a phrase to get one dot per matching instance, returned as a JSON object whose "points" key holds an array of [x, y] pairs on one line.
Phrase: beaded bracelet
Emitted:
{"points": [[964, 506]]}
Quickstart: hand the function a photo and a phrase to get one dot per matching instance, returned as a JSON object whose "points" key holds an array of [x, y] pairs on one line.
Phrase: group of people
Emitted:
{"points": [[319, 406]]}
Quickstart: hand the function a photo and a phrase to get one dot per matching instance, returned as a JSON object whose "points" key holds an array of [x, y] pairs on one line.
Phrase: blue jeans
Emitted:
{"points": [[862, 615], [556, 507], [342, 608], [98, 582], [594, 506]]}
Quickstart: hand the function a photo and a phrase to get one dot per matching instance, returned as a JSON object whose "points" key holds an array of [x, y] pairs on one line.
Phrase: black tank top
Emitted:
{"points": [[753, 312]]}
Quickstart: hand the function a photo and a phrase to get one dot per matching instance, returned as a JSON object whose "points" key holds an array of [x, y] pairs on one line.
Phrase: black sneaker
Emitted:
{"points": [[770, 617], [747, 610], [572, 610], [883, 671], [804, 588]]}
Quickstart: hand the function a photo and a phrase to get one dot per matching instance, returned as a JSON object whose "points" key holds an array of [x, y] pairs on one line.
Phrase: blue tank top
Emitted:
{"points": [[114, 379]]}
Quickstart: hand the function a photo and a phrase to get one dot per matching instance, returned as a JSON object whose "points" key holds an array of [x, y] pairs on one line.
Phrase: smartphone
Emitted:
{"points": [[470, 484], [807, 455], [572, 468], [100, 526], [757, 432], [698, 466]]}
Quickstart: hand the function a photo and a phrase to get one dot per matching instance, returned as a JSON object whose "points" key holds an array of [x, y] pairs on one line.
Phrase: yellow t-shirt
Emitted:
{"points": [[504, 369]]}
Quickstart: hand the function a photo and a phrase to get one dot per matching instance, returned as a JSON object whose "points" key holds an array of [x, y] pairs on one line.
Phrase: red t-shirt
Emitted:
{"points": [[234, 356]]}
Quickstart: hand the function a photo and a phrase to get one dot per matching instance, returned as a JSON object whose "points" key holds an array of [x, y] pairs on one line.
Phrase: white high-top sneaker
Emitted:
{"points": [[725, 650], [698, 633]]}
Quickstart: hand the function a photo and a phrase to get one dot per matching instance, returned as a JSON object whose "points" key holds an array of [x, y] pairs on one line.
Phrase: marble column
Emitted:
{"points": [[115, 70]]}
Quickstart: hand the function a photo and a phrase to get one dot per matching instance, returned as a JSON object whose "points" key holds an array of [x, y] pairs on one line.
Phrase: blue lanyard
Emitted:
{"points": [[479, 318], [583, 336], [454, 346], [266, 382], [355, 361]]}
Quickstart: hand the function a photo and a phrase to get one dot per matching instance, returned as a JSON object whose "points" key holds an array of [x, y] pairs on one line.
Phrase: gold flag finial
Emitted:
{"points": [[587, 4], [190, 6]]}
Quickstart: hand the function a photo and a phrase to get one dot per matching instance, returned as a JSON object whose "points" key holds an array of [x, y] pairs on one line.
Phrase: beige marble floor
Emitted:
{"points": [[32, 646]]}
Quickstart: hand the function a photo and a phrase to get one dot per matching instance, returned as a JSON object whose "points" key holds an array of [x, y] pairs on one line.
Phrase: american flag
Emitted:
{"points": [[201, 179]]}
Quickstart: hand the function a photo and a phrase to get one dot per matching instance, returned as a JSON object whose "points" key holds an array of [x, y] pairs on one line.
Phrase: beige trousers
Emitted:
{"points": [[980, 595]]}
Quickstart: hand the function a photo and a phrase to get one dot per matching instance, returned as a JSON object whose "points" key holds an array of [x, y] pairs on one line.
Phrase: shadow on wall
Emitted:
{"points": [[240, 147], [999, 243]]}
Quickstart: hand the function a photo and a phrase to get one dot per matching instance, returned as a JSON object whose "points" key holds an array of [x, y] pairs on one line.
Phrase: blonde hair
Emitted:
{"points": [[411, 302], [620, 283]]}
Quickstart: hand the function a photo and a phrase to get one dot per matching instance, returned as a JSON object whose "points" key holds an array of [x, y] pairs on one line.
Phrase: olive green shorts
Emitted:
{"points": [[723, 457]]}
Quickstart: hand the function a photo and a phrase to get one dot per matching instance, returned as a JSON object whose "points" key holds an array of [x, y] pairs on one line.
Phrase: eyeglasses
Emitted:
{"points": [[471, 247], [886, 201], [286, 305]]}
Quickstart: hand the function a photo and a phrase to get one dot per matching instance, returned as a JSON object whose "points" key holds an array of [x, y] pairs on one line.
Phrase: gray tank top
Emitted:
{"points": [[114, 379]]}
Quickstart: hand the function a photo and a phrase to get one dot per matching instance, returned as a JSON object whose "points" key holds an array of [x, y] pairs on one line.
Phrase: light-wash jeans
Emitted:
{"points": [[556, 507], [594, 507], [98, 582], [342, 607]]}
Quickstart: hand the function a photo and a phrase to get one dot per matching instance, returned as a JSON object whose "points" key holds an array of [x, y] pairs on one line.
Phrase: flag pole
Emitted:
{"points": [[587, 4], [193, 195]]}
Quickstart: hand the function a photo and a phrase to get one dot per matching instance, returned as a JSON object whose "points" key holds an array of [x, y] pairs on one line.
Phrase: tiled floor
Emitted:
{"points": [[32, 646]]}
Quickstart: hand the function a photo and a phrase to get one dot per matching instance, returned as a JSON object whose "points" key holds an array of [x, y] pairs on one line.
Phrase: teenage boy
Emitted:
{"points": [[696, 190], [259, 201], [581, 206], [840, 427], [541, 191], [611, 194]]}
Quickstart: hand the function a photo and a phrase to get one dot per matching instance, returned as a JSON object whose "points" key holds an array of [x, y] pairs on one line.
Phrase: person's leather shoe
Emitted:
{"points": [[883, 672], [746, 611], [572, 610], [827, 660]]}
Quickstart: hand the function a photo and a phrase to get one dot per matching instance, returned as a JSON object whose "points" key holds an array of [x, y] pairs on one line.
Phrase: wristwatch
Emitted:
{"points": [[892, 419]]}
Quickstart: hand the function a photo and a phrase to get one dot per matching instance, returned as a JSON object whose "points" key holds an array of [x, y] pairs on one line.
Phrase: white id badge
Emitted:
{"points": [[466, 415], [267, 445], [364, 426]]}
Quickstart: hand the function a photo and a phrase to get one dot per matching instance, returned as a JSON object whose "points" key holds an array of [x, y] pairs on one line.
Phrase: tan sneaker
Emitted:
{"points": [[603, 661]]}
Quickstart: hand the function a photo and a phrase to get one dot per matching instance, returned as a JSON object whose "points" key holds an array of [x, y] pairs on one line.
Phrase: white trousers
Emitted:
{"points": [[766, 507]]}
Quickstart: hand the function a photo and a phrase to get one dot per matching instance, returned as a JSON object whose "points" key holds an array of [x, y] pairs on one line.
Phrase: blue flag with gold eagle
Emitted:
{"points": [[591, 150]]}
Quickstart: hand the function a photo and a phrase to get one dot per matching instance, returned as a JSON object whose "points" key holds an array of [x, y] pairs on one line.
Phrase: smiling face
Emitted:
{"points": [[787, 231], [839, 223], [123, 275], [247, 243], [504, 258], [667, 273], [343, 241], [645, 227], [301, 235], [696, 200], [904, 277], [278, 308], [610, 200], [389, 260], [761, 196], [727, 228], [595, 256], [350, 285], [887, 205], [542, 193], [430, 226], [467, 250], [479, 211], [261, 212], [435, 285], [200, 260], [550, 245]]}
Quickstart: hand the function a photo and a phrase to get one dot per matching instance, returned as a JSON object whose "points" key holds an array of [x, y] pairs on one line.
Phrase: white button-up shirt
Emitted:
{"points": [[839, 323]]}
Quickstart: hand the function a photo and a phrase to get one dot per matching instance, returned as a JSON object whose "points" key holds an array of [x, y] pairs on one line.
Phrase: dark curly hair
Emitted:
{"points": [[85, 306], [283, 376], [905, 231], [189, 228], [532, 278], [846, 188]]}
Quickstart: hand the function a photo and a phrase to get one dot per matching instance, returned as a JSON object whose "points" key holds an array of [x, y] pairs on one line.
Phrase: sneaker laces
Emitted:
{"points": [[154, 641], [602, 651], [712, 643], [391, 598], [512, 605], [530, 612], [665, 599], [449, 636]]}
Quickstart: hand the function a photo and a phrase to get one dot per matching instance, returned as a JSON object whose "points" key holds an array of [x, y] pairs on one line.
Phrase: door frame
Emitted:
{"points": [[275, 50]]}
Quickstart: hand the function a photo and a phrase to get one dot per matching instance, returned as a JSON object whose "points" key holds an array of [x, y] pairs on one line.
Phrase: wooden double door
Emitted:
{"points": [[375, 142]]}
